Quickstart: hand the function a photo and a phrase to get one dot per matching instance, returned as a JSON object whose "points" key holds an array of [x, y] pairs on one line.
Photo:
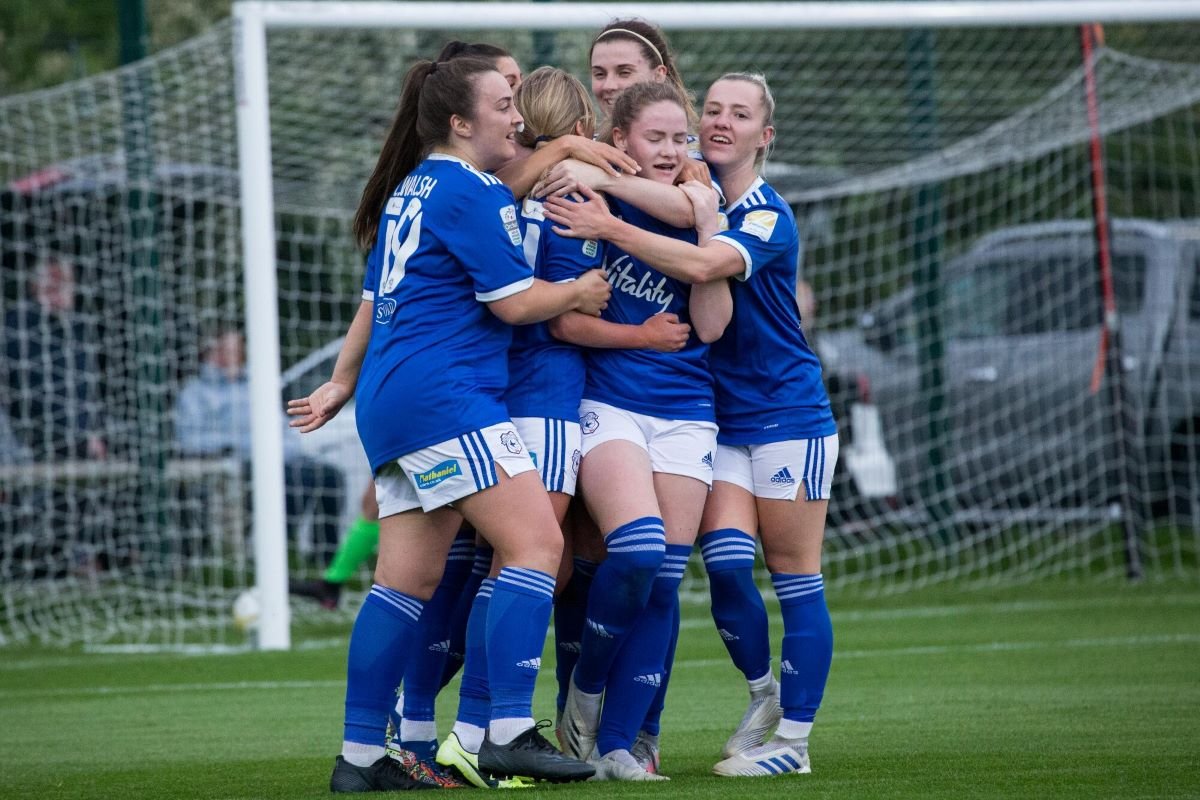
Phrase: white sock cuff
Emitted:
{"points": [[503, 731], [362, 755], [791, 729], [469, 736], [414, 730]]}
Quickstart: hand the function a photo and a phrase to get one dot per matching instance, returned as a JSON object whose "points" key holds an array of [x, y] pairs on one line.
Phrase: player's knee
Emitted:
{"points": [[643, 562]]}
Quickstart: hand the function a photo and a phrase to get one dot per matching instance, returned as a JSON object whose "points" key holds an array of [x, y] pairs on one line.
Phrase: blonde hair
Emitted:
{"points": [[768, 106], [552, 101]]}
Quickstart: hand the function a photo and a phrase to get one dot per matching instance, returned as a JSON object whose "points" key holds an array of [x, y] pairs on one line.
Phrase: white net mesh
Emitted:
{"points": [[943, 184]]}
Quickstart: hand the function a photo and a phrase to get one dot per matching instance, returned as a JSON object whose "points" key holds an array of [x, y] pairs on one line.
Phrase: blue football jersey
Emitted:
{"points": [[768, 380], [666, 385], [545, 375], [449, 242]]}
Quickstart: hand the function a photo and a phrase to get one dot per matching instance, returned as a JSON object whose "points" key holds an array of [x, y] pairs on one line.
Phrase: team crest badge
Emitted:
{"points": [[589, 422], [575, 458], [511, 442]]}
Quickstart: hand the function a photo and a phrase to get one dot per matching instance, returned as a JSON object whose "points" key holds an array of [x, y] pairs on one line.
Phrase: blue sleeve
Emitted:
{"points": [[486, 240], [759, 235], [371, 274], [565, 259]]}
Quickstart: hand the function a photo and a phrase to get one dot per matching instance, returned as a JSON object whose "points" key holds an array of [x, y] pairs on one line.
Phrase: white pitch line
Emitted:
{"points": [[693, 663], [1006, 607], [106, 655], [986, 647]]}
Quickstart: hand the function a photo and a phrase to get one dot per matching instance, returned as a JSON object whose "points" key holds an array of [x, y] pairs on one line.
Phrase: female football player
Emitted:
{"points": [[778, 440], [426, 357], [648, 433]]}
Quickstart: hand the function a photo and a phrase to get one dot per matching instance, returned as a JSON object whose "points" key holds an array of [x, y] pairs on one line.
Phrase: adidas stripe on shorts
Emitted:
{"points": [[554, 447], [437, 476], [676, 446], [780, 470]]}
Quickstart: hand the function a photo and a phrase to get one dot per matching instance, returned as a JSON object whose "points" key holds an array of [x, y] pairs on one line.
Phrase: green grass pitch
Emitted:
{"points": [[1050, 690]]}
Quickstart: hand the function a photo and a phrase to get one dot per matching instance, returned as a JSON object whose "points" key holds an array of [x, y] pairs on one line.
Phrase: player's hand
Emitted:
{"points": [[310, 413], [665, 333], [605, 156], [694, 170], [587, 220], [593, 291], [704, 205], [567, 176]]}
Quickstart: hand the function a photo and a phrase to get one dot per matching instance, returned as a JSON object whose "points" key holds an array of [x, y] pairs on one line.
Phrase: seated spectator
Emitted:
{"points": [[212, 418], [50, 373]]}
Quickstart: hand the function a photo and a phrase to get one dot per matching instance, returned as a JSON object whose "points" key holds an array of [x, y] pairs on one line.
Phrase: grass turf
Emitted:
{"points": [[1048, 690]]}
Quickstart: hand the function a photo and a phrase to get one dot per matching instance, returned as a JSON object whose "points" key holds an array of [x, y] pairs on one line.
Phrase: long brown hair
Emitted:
{"points": [[652, 43], [433, 92]]}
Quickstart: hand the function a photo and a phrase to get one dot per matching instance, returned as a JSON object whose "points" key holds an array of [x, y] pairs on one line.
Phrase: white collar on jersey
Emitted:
{"points": [[754, 187], [448, 157]]}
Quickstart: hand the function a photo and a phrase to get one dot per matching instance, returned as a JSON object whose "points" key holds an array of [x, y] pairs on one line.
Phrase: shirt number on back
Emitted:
{"points": [[403, 237]]}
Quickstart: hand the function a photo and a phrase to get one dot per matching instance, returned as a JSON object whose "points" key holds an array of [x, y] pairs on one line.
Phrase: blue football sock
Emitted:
{"points": [[384, 635], [619, 592], [474, 699], [422, 678], [652, 724], [807, 644], [737, 605], [462, 613], [570, 609], [637, 672], [517, 620]]}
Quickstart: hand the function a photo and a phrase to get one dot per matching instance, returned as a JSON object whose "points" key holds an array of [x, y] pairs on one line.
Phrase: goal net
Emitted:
{"points": [[945, 180]]}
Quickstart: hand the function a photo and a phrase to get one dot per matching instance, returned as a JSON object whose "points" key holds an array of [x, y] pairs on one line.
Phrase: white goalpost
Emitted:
{"points": [[1000, 210], [253, 18]]}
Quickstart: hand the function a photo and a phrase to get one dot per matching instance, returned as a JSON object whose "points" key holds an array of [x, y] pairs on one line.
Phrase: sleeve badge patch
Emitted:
{"points": [[508, 215], [760, 224]]}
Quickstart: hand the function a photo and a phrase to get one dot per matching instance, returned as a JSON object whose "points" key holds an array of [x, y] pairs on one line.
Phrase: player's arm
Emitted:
{"points": [[711, 308], [543, 300], [661, 332], [521, 175], [710, 305], [680, 260], [666, 203], [310, 413]]}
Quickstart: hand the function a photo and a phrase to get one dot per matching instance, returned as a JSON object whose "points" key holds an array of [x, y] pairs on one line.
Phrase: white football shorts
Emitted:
{"points": [[554, 445], [437, 476], [777, 470], [676, 446]]}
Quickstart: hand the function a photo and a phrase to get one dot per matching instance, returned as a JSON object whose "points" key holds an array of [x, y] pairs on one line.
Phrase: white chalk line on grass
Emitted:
{"points": [[987, 647], [117, 653], [691, 663], [1005, 607]]}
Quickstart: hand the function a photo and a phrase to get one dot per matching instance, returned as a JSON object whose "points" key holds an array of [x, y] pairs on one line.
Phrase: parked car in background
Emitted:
{"points": [[1021, 318]]}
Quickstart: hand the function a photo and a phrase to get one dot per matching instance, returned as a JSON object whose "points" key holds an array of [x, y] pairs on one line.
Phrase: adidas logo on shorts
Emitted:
{"points": [[707, 460], [727, 636], [654, 680], [569, 647], [783, 478], [440, 647], [787, 669], [531, 663]]}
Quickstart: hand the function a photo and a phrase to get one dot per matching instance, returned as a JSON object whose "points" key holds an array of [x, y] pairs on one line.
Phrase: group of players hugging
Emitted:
{"points": [[578, 352]]}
